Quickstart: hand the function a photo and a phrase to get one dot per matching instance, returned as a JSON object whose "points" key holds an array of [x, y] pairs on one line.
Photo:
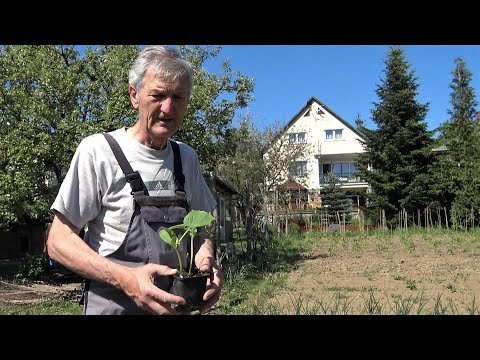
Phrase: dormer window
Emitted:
{"points": [[336, 134]]}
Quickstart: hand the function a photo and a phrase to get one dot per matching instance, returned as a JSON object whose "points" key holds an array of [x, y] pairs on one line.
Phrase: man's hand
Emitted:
{"points": [[139, 286], [214, 282]]}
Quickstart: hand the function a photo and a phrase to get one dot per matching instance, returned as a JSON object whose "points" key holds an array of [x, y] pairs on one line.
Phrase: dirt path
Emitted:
{"points": [[18, 294], [413, 277]]}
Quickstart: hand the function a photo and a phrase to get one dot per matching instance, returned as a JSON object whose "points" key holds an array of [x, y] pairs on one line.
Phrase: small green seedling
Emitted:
{"points": [[193, 220]]}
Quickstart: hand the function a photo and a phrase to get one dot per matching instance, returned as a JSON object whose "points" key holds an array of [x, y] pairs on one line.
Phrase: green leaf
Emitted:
{"points": [[197, 218], [179, 226], [169, 237]]}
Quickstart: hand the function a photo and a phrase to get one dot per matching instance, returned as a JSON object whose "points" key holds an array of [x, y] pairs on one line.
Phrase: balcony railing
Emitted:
{"points": [[342, 178]]}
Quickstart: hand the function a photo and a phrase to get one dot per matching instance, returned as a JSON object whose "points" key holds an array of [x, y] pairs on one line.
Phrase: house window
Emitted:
{"points": [[353, 168], [345, 170], [297, 138], [298, 168], [341, 169], [336, 134], [326, 168]]}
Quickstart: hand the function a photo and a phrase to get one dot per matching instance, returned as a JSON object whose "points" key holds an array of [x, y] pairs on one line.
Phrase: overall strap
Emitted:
{"points": [[177, 168], [133, 177]]}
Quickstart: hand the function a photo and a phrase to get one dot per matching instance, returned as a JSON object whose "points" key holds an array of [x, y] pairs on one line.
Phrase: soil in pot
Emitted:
{"points": [[191, 288]]}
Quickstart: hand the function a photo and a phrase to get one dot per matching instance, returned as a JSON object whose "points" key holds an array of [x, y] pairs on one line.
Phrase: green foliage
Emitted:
{"points": [[457, 169], [399, 150], [51, 97], [190, 225], [460, 132], [255, 173], [34, 267], [245, 290], [215, 100], [335, 200], [244, 169]]}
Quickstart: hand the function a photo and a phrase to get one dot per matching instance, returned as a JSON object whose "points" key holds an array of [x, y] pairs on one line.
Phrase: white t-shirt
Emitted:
{"points": [[95, 191]]}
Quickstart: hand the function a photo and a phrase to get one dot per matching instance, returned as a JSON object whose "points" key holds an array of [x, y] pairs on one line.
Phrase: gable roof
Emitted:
{"points": [[291, 185], [338, 117]]}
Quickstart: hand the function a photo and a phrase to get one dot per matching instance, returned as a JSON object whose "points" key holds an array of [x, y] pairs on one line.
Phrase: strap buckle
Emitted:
{"points": [[135, 181]]}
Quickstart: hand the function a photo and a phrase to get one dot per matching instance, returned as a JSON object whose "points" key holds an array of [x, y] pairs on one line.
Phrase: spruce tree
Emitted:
{"points": [[334, 199], [458, 168], [398, 153]]}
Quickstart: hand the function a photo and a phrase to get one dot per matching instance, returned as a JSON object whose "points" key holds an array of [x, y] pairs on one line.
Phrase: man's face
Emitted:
{"points": [[161, 106]]}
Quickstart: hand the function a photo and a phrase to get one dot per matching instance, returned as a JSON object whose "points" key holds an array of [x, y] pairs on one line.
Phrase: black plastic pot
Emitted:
{"points": [[191, 288]]}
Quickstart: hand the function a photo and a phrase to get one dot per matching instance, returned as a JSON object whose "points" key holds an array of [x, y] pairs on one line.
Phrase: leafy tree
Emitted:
{"points": [[457, 170], [280, 155], [51, 97], [256, 173], [105, 103], [398, 153], [208, 124], [244, 170]]}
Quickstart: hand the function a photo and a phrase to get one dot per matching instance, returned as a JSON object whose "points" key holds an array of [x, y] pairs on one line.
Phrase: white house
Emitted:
{"points": [[333, 145]]}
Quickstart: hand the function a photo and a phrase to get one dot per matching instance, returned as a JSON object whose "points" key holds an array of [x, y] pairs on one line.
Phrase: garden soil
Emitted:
{"points": [[397, 276]]}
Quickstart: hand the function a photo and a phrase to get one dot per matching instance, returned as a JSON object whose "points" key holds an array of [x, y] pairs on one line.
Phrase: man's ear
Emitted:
{"points": [[133, 96]]}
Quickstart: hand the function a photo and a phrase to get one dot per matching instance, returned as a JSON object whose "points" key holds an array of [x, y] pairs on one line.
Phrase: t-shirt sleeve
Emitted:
{"points": [[79, 198]]}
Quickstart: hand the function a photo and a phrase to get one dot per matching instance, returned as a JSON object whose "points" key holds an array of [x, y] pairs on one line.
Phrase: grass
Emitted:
{"points": [[52, 306]]}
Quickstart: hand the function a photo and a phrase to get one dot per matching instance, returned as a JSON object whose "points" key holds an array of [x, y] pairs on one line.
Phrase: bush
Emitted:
{"points": [[34, 267]]}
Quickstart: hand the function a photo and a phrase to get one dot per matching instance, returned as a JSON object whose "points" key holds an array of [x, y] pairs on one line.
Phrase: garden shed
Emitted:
{"points": [[223, 213]]}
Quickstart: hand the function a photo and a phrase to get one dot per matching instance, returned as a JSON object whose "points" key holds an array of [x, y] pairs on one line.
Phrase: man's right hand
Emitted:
{"points": [[139, 286]]}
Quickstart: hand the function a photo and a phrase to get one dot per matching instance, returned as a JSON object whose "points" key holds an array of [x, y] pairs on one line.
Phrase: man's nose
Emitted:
{"points": [[167, 105]]}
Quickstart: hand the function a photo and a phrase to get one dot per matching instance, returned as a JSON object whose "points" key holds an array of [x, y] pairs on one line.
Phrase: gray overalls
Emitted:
{"points": [[142, 243]]}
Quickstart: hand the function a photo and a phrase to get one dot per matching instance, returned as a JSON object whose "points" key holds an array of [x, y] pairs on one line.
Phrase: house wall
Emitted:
{"points": [[334, 150]]}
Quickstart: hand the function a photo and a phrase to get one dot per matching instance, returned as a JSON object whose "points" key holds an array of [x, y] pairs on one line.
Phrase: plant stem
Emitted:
{"points": [[191, 255], [178, 254], [179, 262]]}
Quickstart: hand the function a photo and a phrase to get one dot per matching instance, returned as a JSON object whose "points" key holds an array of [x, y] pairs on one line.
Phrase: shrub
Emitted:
{"points": [[34, 267]]}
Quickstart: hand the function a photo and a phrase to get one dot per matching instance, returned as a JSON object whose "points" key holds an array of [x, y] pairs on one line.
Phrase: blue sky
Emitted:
{"points": [[343, 77]]}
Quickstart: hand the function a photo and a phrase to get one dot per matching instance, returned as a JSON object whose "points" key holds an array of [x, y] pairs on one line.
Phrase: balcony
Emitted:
{"points": [[343, 178]]}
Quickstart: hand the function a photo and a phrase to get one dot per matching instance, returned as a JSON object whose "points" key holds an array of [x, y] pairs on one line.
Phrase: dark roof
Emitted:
{"points": [[211, 177]]}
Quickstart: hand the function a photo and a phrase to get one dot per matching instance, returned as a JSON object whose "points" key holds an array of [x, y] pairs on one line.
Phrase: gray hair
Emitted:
{"points": [[165, 62]]}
